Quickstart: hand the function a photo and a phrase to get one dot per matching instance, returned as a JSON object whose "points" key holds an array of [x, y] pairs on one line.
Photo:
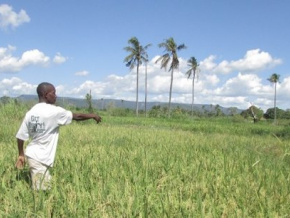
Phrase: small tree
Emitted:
{"points": [[255, 113], [218, 111], [89, 102]]}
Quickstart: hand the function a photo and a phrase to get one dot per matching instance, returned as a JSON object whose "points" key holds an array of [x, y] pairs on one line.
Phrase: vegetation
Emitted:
{"points": [[153, 167], [282, 114]]}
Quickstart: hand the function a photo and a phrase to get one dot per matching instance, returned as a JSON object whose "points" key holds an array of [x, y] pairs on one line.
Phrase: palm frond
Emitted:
{"points": [[147, 46], [192, 63], [274, 78], [128, 63], [182, 46], [174, 64], [188, 73], [164, 60], [129, 49]]}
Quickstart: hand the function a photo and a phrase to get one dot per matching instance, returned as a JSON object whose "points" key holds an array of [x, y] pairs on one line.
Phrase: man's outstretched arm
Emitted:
{"points": [[80, 117]]}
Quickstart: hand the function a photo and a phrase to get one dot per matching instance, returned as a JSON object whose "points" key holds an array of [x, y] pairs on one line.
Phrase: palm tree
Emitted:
{"points": [[192, 63], [170, 54], [136, 56], [146, 85], [274, 79]]}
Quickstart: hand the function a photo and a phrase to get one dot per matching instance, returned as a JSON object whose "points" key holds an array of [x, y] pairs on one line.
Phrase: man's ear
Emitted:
{"points": [[45, 95]]}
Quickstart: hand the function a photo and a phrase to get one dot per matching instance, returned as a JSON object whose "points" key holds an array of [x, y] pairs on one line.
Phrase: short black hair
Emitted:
{"points": [[42, 88]]}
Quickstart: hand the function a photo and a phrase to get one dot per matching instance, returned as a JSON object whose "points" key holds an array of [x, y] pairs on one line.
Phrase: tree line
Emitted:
{"points": [[252, 113]]}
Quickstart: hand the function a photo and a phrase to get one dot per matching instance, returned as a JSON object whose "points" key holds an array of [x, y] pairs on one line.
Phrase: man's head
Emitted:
{"points": [[46, 93]]}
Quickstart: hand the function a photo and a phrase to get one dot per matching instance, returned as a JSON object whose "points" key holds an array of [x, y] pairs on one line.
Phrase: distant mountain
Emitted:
{"points": [[106, 103], [26, 98]]}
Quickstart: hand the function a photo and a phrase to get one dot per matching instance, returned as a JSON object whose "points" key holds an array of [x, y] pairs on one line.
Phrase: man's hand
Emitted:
{"points": [[20, 162], [97, 118]]}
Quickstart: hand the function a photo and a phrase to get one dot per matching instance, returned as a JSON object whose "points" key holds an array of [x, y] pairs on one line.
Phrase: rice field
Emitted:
{"points": [[145, 167]]}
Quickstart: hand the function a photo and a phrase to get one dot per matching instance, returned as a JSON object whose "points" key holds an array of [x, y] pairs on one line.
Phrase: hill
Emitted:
{"points": [[103, 104]]}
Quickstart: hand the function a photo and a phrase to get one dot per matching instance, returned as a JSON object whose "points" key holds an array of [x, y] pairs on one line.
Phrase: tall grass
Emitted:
{"points": [[137, 167]]}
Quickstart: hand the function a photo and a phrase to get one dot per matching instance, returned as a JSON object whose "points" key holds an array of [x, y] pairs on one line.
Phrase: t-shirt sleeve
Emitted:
{"points": [[23, 133], [64, 117]]}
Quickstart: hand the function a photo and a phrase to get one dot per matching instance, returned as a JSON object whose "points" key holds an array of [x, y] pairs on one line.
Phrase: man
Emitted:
{"points": [[41, 124]]}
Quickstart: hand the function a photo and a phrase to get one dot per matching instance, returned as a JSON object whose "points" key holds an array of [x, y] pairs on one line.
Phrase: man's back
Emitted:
{"points": [[41, 124]]}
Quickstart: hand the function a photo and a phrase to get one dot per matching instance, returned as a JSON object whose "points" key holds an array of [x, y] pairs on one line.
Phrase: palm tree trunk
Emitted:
{"points": [[137, 89], [146, 89], [192, 102], [275, 112], [170, 93]]}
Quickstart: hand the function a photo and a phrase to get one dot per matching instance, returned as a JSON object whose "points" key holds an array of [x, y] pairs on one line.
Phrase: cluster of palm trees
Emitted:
{"points": [[138, 55]]}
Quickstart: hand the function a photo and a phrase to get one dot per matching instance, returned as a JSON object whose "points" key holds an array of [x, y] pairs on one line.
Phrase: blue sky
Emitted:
{"points": [[79, 46]]}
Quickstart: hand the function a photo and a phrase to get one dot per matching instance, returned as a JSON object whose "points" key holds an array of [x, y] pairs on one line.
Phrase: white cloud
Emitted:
{"points": [[285, 86], [116, 85], [15, 87], [208, 64], [96, 89], [159, 84], [229, 101], [6, 51], [33, 57], [59, 59], [160, 98], [82, 73], [253, 61], [242, 84], [10, 64], [8, 17], [60, 89]]}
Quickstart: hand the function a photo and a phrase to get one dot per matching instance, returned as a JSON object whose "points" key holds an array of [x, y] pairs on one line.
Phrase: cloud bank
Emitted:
{"points": [[234, 83], [253, 61]]}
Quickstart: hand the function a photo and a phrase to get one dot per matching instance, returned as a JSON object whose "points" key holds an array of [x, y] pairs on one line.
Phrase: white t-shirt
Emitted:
{"points": [[41, 124]]}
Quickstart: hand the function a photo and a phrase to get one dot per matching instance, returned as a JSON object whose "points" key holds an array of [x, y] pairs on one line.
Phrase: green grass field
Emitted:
{"points": [[145, 167]]}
